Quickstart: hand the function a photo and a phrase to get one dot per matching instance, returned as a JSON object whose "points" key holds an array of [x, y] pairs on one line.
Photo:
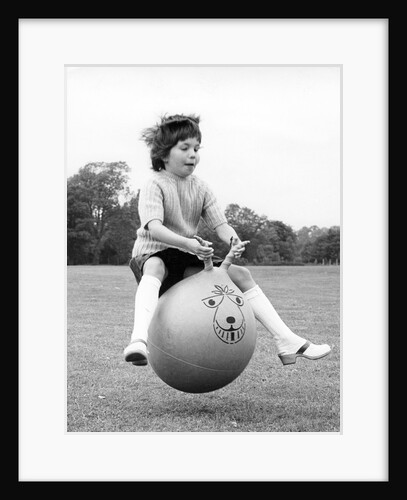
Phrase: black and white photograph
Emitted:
{"points": [[205, 233], [228, 176]]}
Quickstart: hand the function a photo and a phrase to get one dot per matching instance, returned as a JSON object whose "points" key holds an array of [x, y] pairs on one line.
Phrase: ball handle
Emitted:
{"points": [[208, 264]]}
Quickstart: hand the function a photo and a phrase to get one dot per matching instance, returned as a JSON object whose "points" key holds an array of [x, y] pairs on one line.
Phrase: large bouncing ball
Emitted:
{"points": [[203, 333]]}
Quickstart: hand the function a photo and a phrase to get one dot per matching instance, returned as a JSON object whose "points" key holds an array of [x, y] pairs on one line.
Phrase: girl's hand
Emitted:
{"points": [[201, 248], [237, 247]]}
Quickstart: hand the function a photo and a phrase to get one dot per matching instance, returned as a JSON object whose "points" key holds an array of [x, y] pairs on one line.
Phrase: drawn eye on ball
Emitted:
{"points": [[212, 302], [236, 299]]}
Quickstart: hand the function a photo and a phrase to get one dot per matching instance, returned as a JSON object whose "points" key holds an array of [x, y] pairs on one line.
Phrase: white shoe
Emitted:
{"points": [[136, 352], [308, 351]]}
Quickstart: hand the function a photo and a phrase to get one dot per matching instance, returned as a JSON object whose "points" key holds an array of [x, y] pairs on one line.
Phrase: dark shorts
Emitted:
{"points": [[176, 263]]}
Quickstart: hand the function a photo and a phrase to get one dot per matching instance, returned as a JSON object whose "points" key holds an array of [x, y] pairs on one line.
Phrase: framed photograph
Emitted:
{"points": [[303, 95]]}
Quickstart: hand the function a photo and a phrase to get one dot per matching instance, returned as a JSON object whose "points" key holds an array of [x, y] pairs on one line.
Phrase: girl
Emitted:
{"points": [[167, 250]]}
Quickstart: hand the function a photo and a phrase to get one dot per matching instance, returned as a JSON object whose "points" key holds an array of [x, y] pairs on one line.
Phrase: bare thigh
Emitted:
{"points": [[154, 266]]}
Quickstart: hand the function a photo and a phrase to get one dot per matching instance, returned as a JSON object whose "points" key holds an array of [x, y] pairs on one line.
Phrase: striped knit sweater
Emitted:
{"points": [[179, 203]]}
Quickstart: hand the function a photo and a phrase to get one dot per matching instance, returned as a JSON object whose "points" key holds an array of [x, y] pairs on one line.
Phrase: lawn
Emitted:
{"points": [[106, 394]]}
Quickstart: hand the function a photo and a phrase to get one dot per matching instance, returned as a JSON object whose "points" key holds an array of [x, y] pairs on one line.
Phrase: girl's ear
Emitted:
{"points": [[165, 158]]}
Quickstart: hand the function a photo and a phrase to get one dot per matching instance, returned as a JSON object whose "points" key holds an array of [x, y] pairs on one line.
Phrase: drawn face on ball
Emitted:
{"points": [[228, 322]]}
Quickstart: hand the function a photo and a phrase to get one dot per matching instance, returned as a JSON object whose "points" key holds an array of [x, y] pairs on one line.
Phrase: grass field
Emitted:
{"points": [[106, 394]]}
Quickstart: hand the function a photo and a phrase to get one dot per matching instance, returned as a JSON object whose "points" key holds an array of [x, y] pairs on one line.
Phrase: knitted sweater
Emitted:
{"points": [[179, 203]]}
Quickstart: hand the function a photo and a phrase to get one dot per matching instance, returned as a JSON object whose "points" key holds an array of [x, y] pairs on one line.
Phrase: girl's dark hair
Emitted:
{"points": [[165, 135]]}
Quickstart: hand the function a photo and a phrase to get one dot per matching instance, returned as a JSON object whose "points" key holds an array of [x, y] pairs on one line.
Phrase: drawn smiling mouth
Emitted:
{"points": [[230, 335], [230, 329]]}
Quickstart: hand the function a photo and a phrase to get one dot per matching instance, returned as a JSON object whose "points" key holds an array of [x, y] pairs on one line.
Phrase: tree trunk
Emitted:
{"points": [[96, 253]]}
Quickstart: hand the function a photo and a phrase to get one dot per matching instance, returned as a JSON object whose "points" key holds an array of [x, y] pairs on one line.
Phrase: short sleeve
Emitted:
{"points": [[211, 212], [151, 203]]}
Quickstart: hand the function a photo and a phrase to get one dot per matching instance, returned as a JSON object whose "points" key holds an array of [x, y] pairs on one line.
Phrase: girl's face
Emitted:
{"points": [[183, 157]]}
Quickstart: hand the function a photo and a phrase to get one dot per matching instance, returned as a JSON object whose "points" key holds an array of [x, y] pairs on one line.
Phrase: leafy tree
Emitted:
{"points": [[311, 244], [284, 241], [79, 229], [121, 233], [249, 226], [93, 200], [245, 221], [333, 247], [325, 247], [270, 241], [306, 251], [266, 255], [307, 234]]}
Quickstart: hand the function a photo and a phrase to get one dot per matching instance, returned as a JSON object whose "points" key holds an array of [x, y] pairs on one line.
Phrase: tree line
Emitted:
{"points": [[102, 220]]}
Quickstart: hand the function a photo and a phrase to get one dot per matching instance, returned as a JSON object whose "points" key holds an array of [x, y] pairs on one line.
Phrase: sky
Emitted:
{"points": [[270, 134]]}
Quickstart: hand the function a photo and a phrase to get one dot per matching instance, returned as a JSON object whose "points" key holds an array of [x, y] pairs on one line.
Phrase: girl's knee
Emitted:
{"points": [[242, 277], [154, 266]]}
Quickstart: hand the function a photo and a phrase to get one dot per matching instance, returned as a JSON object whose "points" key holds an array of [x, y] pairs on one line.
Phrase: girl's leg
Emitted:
{"points": [[154, 272], [289, 345]]}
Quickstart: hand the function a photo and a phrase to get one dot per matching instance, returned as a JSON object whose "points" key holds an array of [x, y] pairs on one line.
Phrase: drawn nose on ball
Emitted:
{"points": [[230, 319]]}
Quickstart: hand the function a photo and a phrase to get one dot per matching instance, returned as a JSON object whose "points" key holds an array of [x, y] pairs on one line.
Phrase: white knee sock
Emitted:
{"points": [[287, 342], [145, 304]]}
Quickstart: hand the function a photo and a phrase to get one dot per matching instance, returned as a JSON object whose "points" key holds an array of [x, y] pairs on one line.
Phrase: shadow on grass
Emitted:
{"points": [[268, 398]]}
